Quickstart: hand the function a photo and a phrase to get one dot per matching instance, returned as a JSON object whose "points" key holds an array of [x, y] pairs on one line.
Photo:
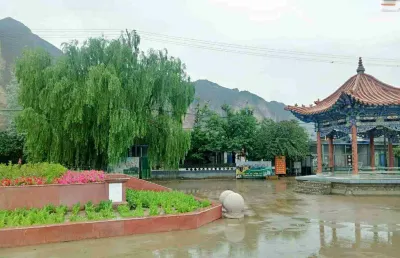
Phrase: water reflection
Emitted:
{"points": [[359, 240], [278, 223]]}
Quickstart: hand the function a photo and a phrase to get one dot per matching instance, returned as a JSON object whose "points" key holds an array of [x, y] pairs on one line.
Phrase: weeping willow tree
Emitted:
{"points": [[89, 106]]}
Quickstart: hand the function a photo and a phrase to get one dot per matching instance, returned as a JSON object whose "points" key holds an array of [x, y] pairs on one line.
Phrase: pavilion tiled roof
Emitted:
{"points": [[361, 87]]}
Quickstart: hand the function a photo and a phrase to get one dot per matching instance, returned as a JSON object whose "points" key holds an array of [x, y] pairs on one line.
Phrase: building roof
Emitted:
{"points": [[362, 88]]}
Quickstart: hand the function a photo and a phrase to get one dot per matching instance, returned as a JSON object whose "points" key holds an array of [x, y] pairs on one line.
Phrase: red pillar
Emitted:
{"points": [[319, 153], [331, 159], [372, 151], [391, 157], [354, 149]]}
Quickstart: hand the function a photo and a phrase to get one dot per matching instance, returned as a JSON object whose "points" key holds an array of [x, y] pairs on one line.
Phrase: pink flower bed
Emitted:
{"points": [[83, 177]]}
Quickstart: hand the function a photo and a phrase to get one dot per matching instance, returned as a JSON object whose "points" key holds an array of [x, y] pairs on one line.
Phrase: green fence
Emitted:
{"points": [[144, 171]]}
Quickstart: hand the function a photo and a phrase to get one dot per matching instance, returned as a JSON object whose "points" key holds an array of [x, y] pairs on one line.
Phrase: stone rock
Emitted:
{"points": [[224, 194], [234, 206]]}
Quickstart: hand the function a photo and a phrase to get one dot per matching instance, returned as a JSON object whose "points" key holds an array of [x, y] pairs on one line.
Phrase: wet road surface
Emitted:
{"points": [[278, 223]]}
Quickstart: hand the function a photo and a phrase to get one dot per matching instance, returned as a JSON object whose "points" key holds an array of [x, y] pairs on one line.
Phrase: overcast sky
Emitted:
{"points": [[337, 27]]}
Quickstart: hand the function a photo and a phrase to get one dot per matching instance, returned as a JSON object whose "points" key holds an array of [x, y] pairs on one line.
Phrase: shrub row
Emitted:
{"points": [[27, 217], [51, 214], [170, 202], [45, 173]]}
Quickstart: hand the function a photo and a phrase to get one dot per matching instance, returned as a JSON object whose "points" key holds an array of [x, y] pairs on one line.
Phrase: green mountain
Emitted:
{"points": [[14, 38], [216, 95]]}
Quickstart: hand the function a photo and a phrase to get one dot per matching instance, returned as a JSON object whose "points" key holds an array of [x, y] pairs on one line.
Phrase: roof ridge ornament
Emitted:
{"points": [[360, 69]]}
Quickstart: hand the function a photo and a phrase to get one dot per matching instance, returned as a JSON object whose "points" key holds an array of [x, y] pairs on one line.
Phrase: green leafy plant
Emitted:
{"points": [[62, 209], [104, 205], [168, 209], [171, 202], [205, 203], [76, 208], [93, 215], [124, 211], [89, 207], [50, 208], [27, 217], [103, 210], [138, 212], [153, 210], [77, 218]]}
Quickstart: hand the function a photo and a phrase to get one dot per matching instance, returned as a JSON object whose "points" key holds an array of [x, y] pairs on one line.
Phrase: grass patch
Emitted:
{"points": [[140, 204], [157, 203], [28, 217]]}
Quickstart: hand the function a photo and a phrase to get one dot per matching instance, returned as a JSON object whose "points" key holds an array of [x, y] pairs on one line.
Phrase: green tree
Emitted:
{"points": [[240, 129], [207, 135], [198, 138], [232, 132], [11, 145], [89, 106], [285, 138]]}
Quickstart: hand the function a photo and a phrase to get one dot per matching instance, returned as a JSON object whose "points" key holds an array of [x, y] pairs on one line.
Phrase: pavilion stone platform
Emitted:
{"points": [[363, 184]]}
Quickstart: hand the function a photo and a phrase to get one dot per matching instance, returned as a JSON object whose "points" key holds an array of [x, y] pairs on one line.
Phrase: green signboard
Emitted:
{"points": [[253, 170]]}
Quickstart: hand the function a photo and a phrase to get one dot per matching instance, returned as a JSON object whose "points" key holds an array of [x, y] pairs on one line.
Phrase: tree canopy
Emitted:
{"points": [[284, 138], [237, 131], [231, 132], [89, 106]]}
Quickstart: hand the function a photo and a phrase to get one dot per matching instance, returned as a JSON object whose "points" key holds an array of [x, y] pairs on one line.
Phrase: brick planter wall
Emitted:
{"points": [[318, 188], [12, 237], [37, 196], [366, 189], [350, 187], [139, 184]]}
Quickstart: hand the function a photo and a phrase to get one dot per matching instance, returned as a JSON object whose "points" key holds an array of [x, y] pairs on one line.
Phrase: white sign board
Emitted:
{"points": [[115, 192]]}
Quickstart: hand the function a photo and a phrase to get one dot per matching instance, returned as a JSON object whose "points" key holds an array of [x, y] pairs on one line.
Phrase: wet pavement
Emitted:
{"points": [[278, 223]]}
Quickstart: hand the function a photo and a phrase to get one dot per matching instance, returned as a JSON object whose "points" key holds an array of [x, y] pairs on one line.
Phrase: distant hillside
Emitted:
{"points": [[14, 38], [217, 95]]}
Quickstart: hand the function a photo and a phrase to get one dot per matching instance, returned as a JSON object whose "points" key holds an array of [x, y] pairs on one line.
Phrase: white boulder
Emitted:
{"points": [[224, 194], [233, 205]]}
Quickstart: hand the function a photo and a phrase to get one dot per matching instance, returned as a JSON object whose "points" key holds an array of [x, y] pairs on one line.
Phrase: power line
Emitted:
{"points": [[259, 54], [227, 47], [159, 35]]}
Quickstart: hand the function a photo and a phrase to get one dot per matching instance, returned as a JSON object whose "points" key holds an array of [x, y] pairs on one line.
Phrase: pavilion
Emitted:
{"points": [[363, 106]]}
